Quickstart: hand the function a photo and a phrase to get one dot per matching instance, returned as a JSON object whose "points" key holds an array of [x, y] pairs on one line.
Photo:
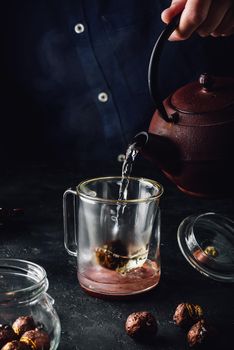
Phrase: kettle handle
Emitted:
{"points": [[154, 67]]}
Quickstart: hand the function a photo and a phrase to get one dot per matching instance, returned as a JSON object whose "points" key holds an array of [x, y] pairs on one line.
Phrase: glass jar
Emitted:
{"points": [[23, 287]]}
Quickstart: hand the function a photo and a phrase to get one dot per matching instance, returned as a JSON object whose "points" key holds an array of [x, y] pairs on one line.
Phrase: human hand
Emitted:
{"points": [[205, 17]]}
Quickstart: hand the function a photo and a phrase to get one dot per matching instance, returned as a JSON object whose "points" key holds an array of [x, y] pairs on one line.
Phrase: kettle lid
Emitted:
{"points": [[208, 94]]}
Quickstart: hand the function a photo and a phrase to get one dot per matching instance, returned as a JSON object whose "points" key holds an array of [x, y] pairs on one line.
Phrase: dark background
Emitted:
{"points": [[37, 86]]}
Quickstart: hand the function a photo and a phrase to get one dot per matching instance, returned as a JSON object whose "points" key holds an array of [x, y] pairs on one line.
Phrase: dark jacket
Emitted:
{"points": [[74, 74]]}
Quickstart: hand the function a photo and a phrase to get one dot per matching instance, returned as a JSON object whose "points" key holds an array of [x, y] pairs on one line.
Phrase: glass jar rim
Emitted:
{"points": [[33, 272], [154, 184]]}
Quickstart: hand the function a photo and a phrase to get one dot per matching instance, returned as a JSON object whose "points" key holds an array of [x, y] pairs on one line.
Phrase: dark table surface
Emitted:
{"points": [[88, 322]]}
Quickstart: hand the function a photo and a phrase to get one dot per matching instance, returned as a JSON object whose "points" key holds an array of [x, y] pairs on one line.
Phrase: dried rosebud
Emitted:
{"points": [[16, 345], [112, 255], [200, 334], [23, 324], [141, 324], [6, 334], [187, 314]]}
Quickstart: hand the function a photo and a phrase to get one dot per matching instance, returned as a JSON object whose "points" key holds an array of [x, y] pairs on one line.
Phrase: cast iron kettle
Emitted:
{"points": [[191, 134]]}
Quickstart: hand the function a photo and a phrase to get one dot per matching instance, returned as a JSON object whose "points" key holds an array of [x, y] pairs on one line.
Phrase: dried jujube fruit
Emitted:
{"points": [[37, 339], [23, 324], [187, 314], [6, 334], [16, 345], [141, 324], [201, 334]]}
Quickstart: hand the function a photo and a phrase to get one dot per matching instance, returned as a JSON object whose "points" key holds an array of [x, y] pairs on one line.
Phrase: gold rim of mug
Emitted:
{"points": [[114, 201]]}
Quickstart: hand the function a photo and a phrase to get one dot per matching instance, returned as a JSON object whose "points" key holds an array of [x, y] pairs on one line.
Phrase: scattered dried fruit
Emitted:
{"points": [[187, 314], [141, 324]]}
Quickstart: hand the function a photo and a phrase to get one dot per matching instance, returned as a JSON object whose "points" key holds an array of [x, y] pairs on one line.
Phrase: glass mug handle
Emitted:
{"points": [[70, 239]]}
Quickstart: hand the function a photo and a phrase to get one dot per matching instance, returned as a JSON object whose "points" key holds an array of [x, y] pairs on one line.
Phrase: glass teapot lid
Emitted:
{"points": [[207, 242]]}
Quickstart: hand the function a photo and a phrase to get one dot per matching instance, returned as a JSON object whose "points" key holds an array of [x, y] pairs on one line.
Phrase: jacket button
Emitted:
{"points": [[79, 28], [103, 97], [121, 158]]}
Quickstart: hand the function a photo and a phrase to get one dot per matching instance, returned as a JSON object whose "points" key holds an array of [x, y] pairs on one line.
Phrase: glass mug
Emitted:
{"points": [[116, 241]]}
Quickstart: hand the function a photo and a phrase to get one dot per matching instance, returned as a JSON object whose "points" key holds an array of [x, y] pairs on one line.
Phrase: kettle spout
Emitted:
{"points": [[140, 140], [159, 150]]}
